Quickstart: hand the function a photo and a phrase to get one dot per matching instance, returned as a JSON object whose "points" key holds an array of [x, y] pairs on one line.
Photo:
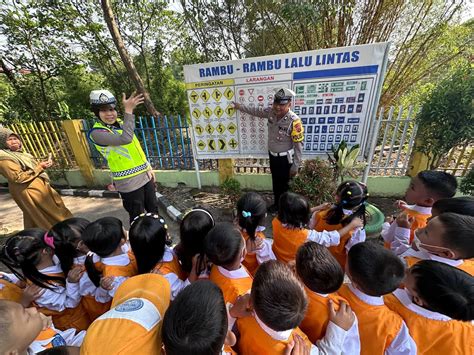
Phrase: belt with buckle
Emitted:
{"points": [[282, 154]]}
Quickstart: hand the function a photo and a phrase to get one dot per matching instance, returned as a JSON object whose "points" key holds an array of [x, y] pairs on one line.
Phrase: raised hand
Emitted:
{"points": [[133, 101]]}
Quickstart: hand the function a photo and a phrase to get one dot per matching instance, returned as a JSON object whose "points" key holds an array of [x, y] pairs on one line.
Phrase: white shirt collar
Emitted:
{"points": [[240, 273], [168, 255], [116, 260], [406, 301], [451, 262], [54, 269], [277, 335], [419, 209], [421, 254], [372, 300]]}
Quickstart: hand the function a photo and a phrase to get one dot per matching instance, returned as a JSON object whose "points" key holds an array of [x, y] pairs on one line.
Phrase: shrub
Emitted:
{"points": [[315, 181], [231, 188], [467, 183]]}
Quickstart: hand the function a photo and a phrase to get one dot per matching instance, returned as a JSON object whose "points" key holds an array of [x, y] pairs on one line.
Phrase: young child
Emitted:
{"points": [[196, 322], [149, 238], [375, 272], [461, 205], [27, 331], [192, 231], [425, 189], [65, 237], [322, 277], [106, 238], [31, 251], [436, 295], [447, 238], [251, 213], [133, 324], [351, 197], [290, 232], [279, 303], [225, 248]]}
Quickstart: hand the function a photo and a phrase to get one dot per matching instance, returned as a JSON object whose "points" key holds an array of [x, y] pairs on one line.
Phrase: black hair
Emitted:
{"points": [[293, 210], [461, 205], [445, 289], [66, 235], [439, 183], [278, 297], [196, 321], [223, 244], [103, 238], [192, 230], [251, 209], [148, 235], [376, 270], [56, 350], [23, 251], [458, 233], [352, 196], [318, 269]]}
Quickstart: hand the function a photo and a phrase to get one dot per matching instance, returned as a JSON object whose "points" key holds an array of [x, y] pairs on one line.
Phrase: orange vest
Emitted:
{"points": [[171, 267], [467, 265], [338, 251], [93, 308], [378, 325], [435, 336], [250, 261], [255, 341], [68, 318], [9, 291], [231, 288], [50, 334], [117, 270], [419, 221], [286, 241], [317, 316]]}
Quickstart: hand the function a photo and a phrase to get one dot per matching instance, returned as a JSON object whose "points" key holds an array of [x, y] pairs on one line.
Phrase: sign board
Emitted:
{"points": [[337, 92]]}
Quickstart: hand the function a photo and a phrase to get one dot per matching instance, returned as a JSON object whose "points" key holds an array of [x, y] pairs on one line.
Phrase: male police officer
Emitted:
{"points": [[285, 137], [115, 140]]}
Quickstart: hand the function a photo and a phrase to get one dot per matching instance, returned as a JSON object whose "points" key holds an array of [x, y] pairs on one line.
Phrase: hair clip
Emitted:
{"points": [[349, 193], [148, 214], [49, 240], [90, 253], [367, 195], [201, 210], [343, 202], [246, 214]]}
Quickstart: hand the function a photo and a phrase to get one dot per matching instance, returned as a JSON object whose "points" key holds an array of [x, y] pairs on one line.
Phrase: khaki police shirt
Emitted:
{"points": [[279, 132]]}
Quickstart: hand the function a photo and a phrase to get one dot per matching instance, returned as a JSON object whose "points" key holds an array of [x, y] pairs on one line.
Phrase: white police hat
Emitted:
{"points": [[283, 96], [101, 98]]}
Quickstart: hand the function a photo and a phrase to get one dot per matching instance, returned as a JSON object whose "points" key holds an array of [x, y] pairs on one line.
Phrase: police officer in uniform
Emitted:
{"points": [[116, 142], [285, 137]]}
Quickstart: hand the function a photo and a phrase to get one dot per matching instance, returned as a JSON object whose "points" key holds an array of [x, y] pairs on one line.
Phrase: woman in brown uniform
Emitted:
{"points": [[29, 184]]}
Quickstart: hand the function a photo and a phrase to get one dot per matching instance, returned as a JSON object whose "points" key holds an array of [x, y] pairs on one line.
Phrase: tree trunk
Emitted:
{"points": [[127, 61]]}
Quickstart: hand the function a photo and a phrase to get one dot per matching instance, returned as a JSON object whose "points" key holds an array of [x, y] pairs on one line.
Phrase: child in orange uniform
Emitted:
{"points": [[251, 213], [290, 232], [149, 238], [32, 251], [106, 239], [351, 197], [196, 322], [279, 304], [133, 324], [425, 189], [447, 238], [437, 308], [27, 331], [375, 272], [322, 277], [225, 248]]}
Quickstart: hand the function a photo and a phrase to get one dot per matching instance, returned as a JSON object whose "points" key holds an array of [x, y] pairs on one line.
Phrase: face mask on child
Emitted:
{"points": [[418, 244]]}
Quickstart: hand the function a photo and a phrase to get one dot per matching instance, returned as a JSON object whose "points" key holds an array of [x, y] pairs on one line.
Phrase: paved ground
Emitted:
{"points": [[11, 217]]}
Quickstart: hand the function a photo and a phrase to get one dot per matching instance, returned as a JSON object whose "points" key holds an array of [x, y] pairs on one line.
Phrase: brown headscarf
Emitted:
{"points": [[25, 160]]}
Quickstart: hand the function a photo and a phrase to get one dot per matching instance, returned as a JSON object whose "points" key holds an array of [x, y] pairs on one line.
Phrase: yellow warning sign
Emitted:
{"points": [[212, 144], [199, 129], [194, 96], [229, 93], [233, 143], [209, 129], [232, 128], [220, 128], [229, 110], [216, 94], [207, 112], [221, 144], [196, 113], [218, 111], [201, 145], [205, 95]]}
